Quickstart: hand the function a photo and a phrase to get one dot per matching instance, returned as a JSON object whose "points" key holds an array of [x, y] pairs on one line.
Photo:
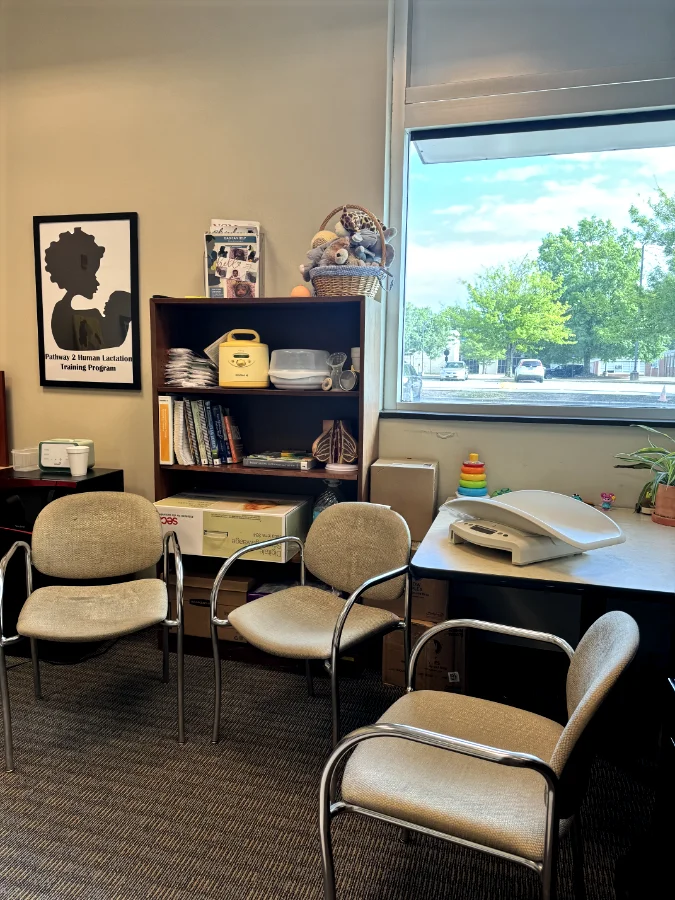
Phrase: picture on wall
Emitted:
{"points": [[86, 273]]}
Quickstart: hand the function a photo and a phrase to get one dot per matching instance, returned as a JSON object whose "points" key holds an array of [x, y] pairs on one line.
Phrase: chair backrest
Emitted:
{"points": [[101, 534], [603, 654], [351, 542]]}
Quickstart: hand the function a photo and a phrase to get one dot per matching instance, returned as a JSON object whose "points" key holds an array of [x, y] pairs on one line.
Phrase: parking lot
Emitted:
{"points": [[600, 391]]}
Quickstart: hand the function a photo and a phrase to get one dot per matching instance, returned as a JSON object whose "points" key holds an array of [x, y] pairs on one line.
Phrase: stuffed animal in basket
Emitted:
{"points": [[331, 253], [367, 245]]}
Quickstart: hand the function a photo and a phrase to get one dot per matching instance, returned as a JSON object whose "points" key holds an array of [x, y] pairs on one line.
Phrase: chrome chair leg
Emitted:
{"points": [[37, 686], [181, 683], [327, 864], [577, 840], [335, 699], [165, 654], [217, 683], [308, 676], [6, 714]]}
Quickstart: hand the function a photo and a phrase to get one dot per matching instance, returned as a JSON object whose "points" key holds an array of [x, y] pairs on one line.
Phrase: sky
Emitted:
{"points": [[465, 216]]}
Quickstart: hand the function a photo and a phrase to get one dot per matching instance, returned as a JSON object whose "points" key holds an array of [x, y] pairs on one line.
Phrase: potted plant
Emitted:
{"points": [[660, 490]]}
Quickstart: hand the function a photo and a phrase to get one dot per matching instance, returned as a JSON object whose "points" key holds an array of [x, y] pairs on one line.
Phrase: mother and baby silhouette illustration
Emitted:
{"points": [[72, 262]]}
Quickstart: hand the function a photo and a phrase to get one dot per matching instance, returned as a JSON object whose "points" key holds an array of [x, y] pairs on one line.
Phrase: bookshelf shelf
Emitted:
{"points": [[269, 392], [265, 420], [236, 469]]}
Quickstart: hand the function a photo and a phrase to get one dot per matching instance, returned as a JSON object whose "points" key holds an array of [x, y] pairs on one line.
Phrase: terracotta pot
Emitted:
{"points": [[664, 505]]}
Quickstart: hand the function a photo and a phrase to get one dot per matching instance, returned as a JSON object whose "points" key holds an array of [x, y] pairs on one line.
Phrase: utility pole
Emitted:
{"points": [[635, 375]]}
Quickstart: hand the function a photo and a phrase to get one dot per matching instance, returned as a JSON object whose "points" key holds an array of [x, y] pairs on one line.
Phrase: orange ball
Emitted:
{"points": [[301, 291]]}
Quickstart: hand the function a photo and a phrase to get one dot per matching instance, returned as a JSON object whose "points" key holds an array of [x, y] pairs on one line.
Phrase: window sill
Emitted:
{"points": [[544, 418]]}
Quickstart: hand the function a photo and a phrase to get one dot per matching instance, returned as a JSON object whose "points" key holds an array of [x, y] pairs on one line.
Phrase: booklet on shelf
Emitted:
{"points": [[233, 259]]}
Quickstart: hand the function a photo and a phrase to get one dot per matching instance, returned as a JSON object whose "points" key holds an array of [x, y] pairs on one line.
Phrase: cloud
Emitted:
{"points": [[456, 210], [434, 274], [557, 206], [523, 173]]}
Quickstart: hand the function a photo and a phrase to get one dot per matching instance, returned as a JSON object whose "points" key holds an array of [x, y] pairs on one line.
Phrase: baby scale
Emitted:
{"points": [[532, 525]]}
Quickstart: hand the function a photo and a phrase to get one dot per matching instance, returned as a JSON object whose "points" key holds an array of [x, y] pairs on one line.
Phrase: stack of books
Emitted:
{"points": [[184, 368], [197, 433]]}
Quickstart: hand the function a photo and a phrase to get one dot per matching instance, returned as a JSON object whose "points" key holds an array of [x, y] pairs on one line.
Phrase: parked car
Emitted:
{"points": [[454, 371], [411, 384], [569, 370], [530, 370]]}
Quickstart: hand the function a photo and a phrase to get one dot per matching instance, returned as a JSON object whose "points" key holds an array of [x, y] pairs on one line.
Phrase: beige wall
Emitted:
{"points": [[263, 109], [564, 458], [186, 110]]}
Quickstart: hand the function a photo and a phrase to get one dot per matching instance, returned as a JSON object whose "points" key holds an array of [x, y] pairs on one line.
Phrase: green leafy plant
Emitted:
{"points": [[659, 460]]}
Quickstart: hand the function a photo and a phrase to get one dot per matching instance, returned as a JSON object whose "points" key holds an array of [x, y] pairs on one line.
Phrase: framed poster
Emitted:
{"points": [[86, 278]]}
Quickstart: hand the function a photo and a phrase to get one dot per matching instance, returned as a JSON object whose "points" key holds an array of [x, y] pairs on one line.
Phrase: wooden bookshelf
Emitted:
{"points": [[269, 418]]}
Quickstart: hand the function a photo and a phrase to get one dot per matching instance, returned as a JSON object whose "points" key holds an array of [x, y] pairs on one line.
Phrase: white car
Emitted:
{"points": [[530, 370], [454, 371]]}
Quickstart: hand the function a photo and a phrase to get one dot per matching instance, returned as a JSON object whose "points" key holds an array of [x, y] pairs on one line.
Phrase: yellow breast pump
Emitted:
{"points": [[243, 361]]}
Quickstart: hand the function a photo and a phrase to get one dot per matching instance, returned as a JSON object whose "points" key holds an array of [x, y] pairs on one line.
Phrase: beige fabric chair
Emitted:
{"points": [[478, 773], [98, 535], [360, 548]]}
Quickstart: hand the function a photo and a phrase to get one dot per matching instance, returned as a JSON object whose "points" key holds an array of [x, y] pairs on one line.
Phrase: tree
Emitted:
{"points": [[599, 268], [512, 309], [425, 331], [658, 229]]}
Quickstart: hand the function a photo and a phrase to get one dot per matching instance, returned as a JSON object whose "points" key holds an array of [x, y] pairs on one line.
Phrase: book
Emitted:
{"points": [[200, 429], [223, 447], [211, 429], [233, 439], [180, 435], [285, 459], [191, 431], [166, 446], [177, 420], [232, 259]]}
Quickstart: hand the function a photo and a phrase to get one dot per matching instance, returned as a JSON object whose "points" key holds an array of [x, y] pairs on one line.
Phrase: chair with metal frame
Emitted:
{"points": [[359, 548], [94, 536], [481, 774]]}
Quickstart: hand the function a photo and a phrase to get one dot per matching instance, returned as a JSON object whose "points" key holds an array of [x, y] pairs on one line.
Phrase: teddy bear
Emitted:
{"points": [[332, 253], [367, 245]]}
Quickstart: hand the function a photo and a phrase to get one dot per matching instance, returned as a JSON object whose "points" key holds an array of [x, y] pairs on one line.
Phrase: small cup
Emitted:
{"points": [[78, 460]]}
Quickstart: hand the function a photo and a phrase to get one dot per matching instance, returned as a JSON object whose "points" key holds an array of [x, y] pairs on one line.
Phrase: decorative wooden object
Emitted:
{"points": [[268, 418]]}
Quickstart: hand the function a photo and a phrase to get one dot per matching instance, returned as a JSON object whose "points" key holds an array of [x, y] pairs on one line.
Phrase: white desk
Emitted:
{"points": [[645, 563]]}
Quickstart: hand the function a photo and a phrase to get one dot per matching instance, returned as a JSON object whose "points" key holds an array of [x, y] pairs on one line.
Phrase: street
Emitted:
{"points": [[555, 391]]}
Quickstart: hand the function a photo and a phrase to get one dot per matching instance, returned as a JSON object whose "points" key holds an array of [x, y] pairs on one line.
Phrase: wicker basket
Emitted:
{"points": [[348, 281]]}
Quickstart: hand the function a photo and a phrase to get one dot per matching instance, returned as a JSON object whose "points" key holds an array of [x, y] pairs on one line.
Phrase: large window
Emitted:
{"points": [[540, 266]]}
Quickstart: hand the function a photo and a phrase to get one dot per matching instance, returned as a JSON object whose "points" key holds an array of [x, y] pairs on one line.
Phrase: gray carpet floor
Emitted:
{"points": [[104, 805]]}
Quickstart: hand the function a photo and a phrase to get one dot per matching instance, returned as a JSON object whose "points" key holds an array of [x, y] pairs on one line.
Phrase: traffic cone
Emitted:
{"points": [[662, 395]]}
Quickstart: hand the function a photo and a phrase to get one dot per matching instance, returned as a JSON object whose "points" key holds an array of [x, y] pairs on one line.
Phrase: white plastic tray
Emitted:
{"points": [[545, 512]]}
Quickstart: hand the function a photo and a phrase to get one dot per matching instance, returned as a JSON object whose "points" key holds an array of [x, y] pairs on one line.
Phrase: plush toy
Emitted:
{"points": [[322, 237], [351, 222], [333, 253], [367, 245]]}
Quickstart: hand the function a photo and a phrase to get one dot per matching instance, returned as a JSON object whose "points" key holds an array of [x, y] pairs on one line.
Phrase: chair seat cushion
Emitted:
{"points": [[298, 622], [93, 613], [480, 801]]}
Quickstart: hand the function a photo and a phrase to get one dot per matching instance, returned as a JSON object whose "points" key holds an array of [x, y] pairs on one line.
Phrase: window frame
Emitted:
{"points": [[441, 108]]}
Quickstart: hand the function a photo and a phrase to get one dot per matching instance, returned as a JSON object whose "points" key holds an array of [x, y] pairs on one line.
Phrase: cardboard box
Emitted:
{"points": [[429, 601], [219, 524], [409, 487], [441, 663], [197, 600]]}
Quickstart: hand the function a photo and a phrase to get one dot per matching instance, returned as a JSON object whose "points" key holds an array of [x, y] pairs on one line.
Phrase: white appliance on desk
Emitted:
{"points": [[532, 525]]}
